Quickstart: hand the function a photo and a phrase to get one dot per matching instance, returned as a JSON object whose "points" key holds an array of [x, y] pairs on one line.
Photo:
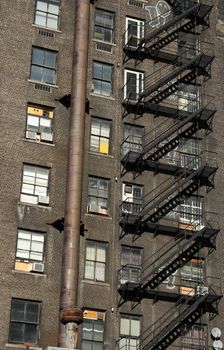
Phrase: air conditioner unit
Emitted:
{"points": [[43, 200], [103, 211], [201, 290], [46, 137], [38, 267], [28, 198], [31, 135], [93, 208]]}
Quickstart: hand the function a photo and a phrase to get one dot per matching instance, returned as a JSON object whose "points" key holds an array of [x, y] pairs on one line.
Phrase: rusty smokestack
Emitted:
{"points": [[71, 315]]}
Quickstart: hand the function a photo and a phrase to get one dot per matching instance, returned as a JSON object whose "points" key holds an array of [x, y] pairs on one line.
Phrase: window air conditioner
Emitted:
{"points": [[38, 267], [31, 135], [46, 137], [102, 210], [43, 200], [93, 208]]}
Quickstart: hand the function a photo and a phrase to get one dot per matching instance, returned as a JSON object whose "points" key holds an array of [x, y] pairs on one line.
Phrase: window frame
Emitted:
{"points": [[192, 266], [189, 341], [140, 24], [100, 136], [131, 204], [98, 208], [191, 213], [130, 269], [96, 262], [101, 81], [95, 318], [131, 138], [48, 14], [138, 84], [35, 198], [40, 113], [44, 67], [24, 322], [126, 339], [30, 250], [98, 25]]}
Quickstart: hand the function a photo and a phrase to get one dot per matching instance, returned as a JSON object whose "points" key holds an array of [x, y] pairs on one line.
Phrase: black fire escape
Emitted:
{"points": [[159, 94]]}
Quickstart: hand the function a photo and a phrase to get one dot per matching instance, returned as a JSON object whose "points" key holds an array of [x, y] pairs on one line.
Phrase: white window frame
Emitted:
{"points": [[40, 114], [97, 263], [191, 210], [128, 339], [26, 241], [104, 138], [101, 196], [34, 189], [48, 14], [140, 30], [131, 204], [139, 84]]}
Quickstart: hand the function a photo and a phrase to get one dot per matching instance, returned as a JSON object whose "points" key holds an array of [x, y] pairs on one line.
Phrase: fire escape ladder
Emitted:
{"points": [[175, 255], [188, 13], [167, 329]]}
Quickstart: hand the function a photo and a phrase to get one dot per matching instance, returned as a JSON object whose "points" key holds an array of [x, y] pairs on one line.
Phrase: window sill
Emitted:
{"points": [[99, 283], [44, 84], [102, 216], [100, 154], [35, 205], [22, 346], [104, 42], [46, 28], [101, 96], [39, 142], [30, 273]]}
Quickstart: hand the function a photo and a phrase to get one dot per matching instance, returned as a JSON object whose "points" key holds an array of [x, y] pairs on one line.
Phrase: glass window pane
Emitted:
{"points": [[38, 56], [42, 5], [18, 310], [107, 72], [22, 254], [36, 73], [48, 76], [87, 330], [36, 256], [23, 244], [24, 234], [32, 121], [89, 270], [32, 312], [41, 191], [27, 189], [97, 70], [86, 345], [40, 19], [42, 173], [38, 237], [53, 8], [97, 346], [106, 88], [90, 251], [101, 254], [135, 328], [50, 59], [29, 170], [37, 246], [97, 86], [100, 272], [98, 331], [95, 127], [30, 333], [16, 331], [94, 143], [124, 326]]}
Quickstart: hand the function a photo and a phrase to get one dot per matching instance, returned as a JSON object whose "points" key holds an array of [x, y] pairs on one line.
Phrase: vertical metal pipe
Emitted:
{"points": [[71, 316]]}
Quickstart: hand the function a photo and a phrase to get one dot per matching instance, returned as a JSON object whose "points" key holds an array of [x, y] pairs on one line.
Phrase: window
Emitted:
{"points": [[35, 185], [193, 337], [132, 198], [104, 25], [189, 98], [188, 45], [29, 251], [98, 193], [134, 32], [190, 150], [43, 67], [133, 84], [192, 271], [93, 330], [39, 123], [129, 332], [133, 138], [100, 135], [131, 261], [24, 321], [47, 13], [95, 265], [191, 210], [102, 78]]}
